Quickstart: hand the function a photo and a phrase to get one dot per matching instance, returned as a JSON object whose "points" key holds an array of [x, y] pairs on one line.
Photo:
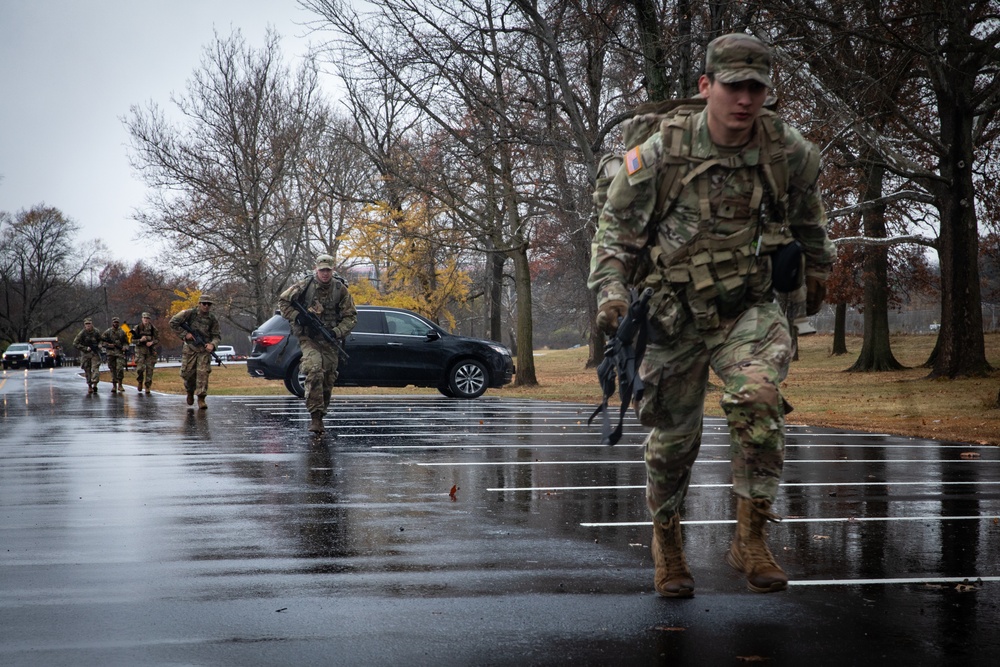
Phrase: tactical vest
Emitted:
{"points": [[708, 265]]}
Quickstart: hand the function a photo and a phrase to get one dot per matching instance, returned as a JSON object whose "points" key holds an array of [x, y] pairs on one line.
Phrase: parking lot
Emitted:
{"points": [[434, 531]]}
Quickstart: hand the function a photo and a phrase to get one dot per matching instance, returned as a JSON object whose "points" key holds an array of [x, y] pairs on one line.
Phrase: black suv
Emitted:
{"points": [[389, 347]]}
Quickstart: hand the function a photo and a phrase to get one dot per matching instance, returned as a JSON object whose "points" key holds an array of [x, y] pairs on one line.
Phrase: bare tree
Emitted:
{"points": [[42, 291], [230, 185]]}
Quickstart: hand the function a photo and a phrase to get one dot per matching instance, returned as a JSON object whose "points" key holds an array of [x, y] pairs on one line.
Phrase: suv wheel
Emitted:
{"points": [[467, 379], [295, 380]]}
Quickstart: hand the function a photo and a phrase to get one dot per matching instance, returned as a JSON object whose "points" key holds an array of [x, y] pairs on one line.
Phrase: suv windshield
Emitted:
{"points": [[19, 347]]}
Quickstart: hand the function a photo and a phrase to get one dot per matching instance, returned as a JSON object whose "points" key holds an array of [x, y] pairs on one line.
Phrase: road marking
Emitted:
{"points": [[699, 461], [728, 485], [844, 519], [905, 580]]}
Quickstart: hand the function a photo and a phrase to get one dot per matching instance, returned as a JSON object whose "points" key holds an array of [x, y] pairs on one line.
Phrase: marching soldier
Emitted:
{"points": [[146, 339], [196, 359], [115, 342], [326, 296], [88, 342], [705, 212]]}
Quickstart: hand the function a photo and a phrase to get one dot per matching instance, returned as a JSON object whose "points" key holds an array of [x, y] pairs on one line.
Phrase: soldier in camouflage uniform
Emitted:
{"points": [[115, 342], [88, 342], [196, 360], [146, 339], [325, 294], [706, 245]]}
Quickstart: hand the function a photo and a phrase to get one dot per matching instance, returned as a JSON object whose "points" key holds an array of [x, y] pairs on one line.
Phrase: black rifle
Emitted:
{"points": [[199, 340], [622, 356], [310, 321]]}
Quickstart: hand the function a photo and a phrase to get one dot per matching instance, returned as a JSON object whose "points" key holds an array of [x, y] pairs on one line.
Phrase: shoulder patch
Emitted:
{"points": [[633, 161]]}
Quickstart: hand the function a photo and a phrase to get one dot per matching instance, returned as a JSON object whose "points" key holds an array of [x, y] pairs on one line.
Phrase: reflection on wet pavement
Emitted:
{"points": [[120, 500]]}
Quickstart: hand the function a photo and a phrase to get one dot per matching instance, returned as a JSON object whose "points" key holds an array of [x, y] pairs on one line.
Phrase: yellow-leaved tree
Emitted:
{"points": [[414, 260]]}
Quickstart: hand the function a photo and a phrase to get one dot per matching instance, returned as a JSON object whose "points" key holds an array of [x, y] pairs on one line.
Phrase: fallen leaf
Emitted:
{"points": [[821, 537], [451, 493], [970, 455]]}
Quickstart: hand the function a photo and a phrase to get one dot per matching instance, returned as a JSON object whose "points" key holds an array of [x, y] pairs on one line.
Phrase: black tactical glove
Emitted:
{"points": [[815, 293], [610, 313], [301, 320]]}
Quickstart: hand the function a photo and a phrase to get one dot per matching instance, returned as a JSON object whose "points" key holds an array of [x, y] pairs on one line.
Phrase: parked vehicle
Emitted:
{"points": [[226, 352], [47, 353], [17, 355], [389, 347]]}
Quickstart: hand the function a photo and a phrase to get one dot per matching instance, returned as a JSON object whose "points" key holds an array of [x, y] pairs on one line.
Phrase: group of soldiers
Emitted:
{"points": [[198, 327], [324, 295]]}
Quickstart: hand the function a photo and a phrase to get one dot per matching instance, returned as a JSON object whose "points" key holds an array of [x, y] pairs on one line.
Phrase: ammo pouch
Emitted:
{"points": [[788, 266]]}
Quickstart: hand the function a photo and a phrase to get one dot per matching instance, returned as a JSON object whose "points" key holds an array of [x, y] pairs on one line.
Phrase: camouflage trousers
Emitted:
{"points": [[144, 363], [90, 362], [196, 365], [751, 356], [319, 365], [116, 364]]}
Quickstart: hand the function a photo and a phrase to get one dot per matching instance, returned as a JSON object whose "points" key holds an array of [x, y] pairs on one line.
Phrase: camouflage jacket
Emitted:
{"points": [[332, 303], [207, 325], [149, 333], [719, 198], [86, 341], [115, 341]]}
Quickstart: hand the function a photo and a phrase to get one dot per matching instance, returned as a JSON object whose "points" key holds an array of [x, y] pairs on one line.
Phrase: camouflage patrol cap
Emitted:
{"points": [[145, 315], [324, 262], [115, 320], [739, 57], [205, 298], [88, 321]]}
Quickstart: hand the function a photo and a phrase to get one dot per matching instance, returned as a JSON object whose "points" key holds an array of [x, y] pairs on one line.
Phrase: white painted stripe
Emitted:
{"points": [[972, 579], [729, 485], [699, 461], [844, 519], [431, 446]]}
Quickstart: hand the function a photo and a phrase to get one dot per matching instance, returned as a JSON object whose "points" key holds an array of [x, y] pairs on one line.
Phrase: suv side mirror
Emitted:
{"points": [[433, 335]]}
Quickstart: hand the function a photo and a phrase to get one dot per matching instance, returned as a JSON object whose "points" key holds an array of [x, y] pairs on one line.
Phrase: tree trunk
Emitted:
{"points": [[525, 376], [876, 353], [961, 349], [840, 329], [496, 262], [648, 26]]}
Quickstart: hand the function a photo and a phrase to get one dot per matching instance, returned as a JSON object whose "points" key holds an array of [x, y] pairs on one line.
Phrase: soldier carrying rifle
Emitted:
{"points": [[716, 209]]}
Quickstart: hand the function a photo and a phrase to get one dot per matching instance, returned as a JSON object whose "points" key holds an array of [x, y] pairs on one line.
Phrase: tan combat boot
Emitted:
{"points": [[749, 553], [190, 398], [202, 405], [316, 425], [672, 578]]}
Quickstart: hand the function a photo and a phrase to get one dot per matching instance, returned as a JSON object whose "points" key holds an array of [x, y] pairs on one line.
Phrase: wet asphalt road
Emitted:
{"points": [[137, 531]]}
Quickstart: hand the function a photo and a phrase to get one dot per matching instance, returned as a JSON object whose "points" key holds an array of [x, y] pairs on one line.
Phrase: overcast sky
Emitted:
{"points": [[70, 70]]}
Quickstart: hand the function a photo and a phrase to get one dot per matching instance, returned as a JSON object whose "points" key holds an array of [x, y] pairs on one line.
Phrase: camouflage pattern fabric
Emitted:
{"points": [[333, 304], [319, 364], [115, 342], [752, 360], [90, 361], [196, 361], [713, 301], [145, 355]]}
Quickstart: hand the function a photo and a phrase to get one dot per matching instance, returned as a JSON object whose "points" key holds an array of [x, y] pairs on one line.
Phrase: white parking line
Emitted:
{"points": [[843, 519], [900, 581], [727, 485], [699, 461]]}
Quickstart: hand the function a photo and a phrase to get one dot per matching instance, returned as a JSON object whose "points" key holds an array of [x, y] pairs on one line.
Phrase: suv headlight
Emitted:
{"points": [[497, 347]]}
